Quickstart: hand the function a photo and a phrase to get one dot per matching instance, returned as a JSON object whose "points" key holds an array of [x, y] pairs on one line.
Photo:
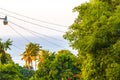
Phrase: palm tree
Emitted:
{"points": [[42, 55], [4, 57], [30, 54], [5, 45]]}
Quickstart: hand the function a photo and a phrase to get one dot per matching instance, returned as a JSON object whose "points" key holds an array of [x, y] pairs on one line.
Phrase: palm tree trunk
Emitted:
{"points": [[35, 63]]}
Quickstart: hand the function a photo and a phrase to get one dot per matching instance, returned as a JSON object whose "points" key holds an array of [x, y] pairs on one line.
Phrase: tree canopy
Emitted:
{"points": [[95, 33], [59, 66], [4, 56], [30, 54]]}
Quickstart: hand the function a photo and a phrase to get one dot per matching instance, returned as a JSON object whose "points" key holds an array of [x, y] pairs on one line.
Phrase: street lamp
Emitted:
{"points": [[5, 22]]}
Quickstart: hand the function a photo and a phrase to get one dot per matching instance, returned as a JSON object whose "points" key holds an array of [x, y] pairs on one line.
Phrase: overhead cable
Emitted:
{"points": [[17, 47], [42, 26], [32, 18], [18, 33], [33, 33], [40, 33]]}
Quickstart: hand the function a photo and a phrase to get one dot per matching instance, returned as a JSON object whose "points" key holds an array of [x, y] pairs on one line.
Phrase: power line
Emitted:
{"points": [[16, 50], [13, 44], [32, 18], [17, 47], [41, 34], [30, 31], [44, 39], [18, 33], [34, 23]]}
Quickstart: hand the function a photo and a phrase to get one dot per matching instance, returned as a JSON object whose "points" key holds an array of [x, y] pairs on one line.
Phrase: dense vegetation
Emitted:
{"points": [[51, 66], [95, 34]]}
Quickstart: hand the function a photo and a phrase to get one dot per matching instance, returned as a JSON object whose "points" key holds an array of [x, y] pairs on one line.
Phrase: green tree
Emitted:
{"points": [[27, 73], [63, 67], [10, 72], [45, 59], [96, 35], [41, 57], [30, 54], [4, 56], [59, 66]]}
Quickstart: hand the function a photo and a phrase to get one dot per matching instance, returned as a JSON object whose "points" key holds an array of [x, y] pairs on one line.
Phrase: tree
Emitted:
{"points": [[63, 66], [27, 73], [43, 54], [59, 66], [30, 54], [95, 33], [4, 56], [10, 71], [5, 45], [44, 61]]}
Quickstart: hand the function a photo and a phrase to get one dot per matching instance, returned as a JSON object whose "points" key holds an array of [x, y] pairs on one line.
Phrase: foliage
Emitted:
{"points": [[30, 54], [10, 72], [63, 65], [56, 66], [45, 60], [43, 56], [96, 35], [5, 45], [4, 56], [13, 71], [27, 73]]}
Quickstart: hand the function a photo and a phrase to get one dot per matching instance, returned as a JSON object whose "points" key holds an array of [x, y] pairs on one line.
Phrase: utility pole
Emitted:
{"points": [[5, 21]]}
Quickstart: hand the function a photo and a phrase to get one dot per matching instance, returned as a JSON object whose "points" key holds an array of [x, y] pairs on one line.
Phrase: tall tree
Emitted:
{"points": [[43, 54], [96, 35], [30, 54], [44, 62], [59, 66], [10, 71], [63, 67], [4, 56]]}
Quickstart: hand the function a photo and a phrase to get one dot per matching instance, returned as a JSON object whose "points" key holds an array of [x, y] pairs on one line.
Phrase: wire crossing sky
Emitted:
{"points": [[33, 18], [32, 32]]}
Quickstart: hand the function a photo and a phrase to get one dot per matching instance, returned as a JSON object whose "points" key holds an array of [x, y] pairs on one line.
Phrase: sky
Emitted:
{"points": [[58, 12]]}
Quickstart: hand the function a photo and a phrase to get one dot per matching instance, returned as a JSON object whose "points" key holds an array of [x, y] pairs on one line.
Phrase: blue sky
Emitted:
{"points": [[52, 11]]}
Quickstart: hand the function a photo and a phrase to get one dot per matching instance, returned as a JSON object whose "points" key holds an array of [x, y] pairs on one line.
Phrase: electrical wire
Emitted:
{"points": [[34, 23], [17, 47], [33, 33], [41, 34], [18, 33], [32, 18]]}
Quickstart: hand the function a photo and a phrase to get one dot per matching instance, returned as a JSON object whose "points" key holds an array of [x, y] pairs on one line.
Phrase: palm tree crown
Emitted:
{"points": [[30, 54]]}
